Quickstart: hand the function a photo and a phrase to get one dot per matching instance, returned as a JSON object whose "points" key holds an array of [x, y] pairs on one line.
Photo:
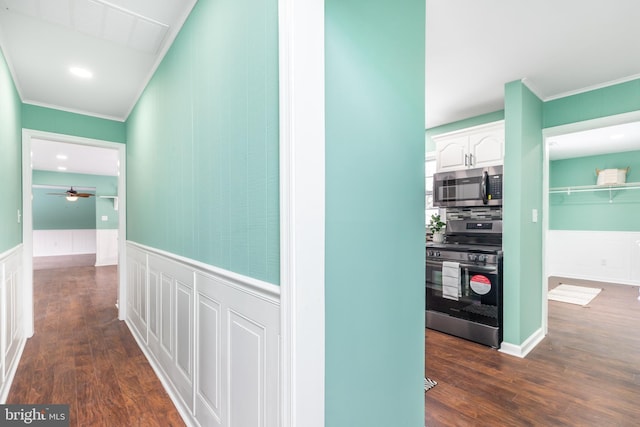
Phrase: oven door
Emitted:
{"points": [[478, 297]]}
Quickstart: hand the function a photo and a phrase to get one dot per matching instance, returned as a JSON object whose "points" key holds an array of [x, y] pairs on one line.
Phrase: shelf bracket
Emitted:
{"points": [[115, 201]]}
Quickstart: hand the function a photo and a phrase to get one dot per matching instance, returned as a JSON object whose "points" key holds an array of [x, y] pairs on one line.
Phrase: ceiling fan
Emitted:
{"points": [[72, 195]]}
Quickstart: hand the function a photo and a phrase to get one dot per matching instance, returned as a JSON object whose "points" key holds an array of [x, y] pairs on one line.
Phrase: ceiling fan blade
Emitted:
{"points": [[72, 193]]}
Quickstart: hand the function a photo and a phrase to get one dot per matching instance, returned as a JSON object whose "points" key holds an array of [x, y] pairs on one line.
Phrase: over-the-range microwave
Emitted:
{"points": [[468, 187]]}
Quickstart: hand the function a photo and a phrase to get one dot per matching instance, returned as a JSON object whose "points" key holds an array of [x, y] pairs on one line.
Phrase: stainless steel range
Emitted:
{"points": [[464, 276]]}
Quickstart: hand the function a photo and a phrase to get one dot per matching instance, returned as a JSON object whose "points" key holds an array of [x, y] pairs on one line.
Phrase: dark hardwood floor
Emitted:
{"points": [[586, 372], [82, 355]]}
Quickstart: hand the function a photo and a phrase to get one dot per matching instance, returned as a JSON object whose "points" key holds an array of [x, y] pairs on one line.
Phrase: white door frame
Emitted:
{"points": [[302, 212], [547, 135], [27, 217]]}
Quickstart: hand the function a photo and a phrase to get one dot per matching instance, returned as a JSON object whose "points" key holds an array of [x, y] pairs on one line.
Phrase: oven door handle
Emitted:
{"points": [[480, 268], [475, 267]]}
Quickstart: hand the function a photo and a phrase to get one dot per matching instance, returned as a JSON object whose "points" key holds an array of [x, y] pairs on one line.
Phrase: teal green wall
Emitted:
{"points": [[608, 101], [202, 143], [104, 186], [522, 238], [57, 213], [461, 124], [592, 210], [10, 160], [374, 266], [57, 121]]}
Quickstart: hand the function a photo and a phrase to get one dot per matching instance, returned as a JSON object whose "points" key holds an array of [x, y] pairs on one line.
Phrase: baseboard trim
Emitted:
{"points": [[185, 413], [6, 386], [591, 281], [523, 349]]}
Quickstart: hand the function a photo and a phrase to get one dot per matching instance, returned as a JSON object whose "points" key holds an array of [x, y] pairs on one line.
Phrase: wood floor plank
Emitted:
{"points": [[586, 372], [82, 355]]}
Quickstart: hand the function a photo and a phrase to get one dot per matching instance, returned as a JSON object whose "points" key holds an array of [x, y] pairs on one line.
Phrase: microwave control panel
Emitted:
{"points": [[495, 186]]}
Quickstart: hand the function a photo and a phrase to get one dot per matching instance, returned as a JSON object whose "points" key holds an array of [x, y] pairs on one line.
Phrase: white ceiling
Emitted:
{"points": [[472, 49], [610, 139], [559, 47], [120, 41], [73, 158]]}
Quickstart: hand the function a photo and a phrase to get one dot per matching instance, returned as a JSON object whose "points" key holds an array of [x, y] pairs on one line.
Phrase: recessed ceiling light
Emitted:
{"points": [[617, 136], [62, 168], [81, 72], [61, 157]]}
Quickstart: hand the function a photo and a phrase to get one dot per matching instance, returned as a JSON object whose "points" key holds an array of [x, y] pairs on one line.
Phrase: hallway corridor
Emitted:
{"points": [[82, 355]]}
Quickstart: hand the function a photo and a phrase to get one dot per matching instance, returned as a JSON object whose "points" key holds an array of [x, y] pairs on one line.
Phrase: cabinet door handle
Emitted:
{"points": [[470, 159], [466, 160]]}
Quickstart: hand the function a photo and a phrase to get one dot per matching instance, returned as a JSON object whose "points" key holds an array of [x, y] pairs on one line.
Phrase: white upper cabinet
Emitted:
{"points": [[475, 147], [452, 153]]}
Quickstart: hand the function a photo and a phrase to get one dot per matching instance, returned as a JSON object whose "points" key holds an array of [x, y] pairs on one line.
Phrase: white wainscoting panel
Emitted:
{"points": [[246, 353], [154, 326], [136, 283], [167, 314], [208, 409], [63, 242], [12, 338], [175, 311], [211, 335], [606, 256], [242, 382], [184, 330], [106, 247]]}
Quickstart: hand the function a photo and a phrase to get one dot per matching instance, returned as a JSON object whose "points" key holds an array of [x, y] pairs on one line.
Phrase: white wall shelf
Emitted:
{"points": [[595, 188], [115, 201]]}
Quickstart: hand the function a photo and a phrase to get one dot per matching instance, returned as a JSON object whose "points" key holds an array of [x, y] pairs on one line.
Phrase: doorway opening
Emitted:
{"points": [[92, 152], [590, 233]]}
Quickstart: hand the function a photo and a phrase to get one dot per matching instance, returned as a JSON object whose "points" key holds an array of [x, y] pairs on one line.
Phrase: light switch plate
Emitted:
{"points": [[105, 218]]}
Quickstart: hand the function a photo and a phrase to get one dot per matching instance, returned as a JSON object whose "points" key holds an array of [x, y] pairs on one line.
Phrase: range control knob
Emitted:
{"points": [[473, 257], [482, 258]]}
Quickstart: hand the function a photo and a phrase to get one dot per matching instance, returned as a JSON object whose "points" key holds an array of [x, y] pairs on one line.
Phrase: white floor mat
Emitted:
{"points": [[572, 294]]}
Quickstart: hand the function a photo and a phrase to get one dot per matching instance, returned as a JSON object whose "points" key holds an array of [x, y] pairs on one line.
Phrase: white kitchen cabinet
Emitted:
{"points": [[469, 148]]}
